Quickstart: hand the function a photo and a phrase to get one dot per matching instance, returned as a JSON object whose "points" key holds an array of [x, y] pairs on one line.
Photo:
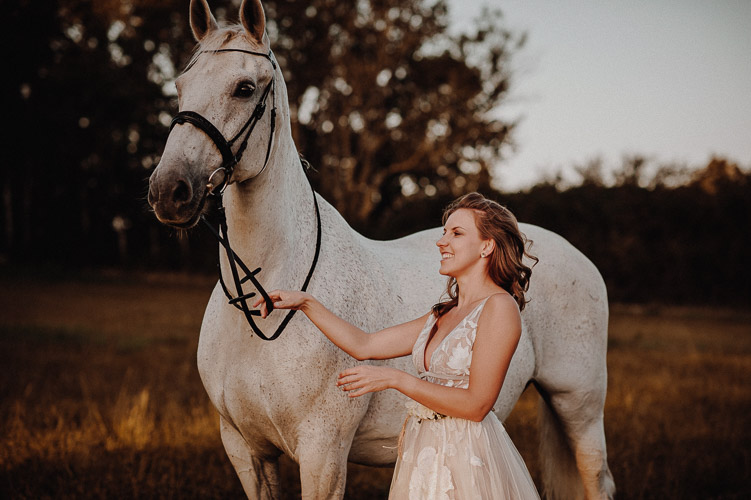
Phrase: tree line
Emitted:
{"points": [[389, 107], [676, 236], [685, 244]]}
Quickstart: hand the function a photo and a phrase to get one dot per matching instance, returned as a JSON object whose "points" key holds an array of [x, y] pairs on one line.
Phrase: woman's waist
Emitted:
{"points": [[422, 416]]}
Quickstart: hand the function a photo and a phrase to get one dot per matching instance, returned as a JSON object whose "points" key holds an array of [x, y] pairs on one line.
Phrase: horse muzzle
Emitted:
{"points": [[177, 200]]}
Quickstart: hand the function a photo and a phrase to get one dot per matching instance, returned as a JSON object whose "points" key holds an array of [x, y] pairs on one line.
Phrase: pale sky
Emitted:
{"points": [[669, 79]]}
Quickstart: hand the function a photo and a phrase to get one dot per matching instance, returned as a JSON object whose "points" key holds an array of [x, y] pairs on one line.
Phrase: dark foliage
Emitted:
{"points": [[686, 244], [395, 133]]}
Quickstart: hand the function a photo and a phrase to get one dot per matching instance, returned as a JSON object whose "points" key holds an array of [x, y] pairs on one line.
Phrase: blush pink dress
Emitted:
{"points": [[449, 458]]}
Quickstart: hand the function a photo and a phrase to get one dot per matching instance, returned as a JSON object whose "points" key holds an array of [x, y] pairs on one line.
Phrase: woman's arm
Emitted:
{"points": [[388, 343], [498, 332]]}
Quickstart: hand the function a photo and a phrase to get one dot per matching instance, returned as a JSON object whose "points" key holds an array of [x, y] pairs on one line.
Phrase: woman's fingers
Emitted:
{"points": [[260, 303], [349, 381], [274, 296], [278, 298], [346, 382], [362, 379], [354, 389]]}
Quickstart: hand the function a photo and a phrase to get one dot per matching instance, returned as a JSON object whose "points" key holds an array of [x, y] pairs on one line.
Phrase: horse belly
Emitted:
{"points": [[519, 373], [375, 442]]}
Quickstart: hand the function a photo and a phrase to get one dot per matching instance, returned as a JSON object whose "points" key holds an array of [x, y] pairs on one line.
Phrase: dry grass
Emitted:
{"points": [[101, 398]]}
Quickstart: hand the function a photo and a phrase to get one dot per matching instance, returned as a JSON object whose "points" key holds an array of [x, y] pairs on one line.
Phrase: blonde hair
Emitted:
{"points": [[505, 267]]}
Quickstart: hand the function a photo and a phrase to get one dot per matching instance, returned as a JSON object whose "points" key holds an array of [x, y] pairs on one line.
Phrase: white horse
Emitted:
{"points": [[280, 397]]}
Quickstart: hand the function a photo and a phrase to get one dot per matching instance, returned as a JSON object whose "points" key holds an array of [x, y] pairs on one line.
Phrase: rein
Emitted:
{"points": [[241, 300], [215, 189]]}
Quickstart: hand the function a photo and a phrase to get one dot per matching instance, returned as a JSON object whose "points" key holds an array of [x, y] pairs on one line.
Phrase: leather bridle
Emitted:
{"points": [[230, 159], [215, 189]]}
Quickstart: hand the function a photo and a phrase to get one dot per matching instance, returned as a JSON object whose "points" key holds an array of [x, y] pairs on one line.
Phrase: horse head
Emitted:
{"points": [[222, 95]]}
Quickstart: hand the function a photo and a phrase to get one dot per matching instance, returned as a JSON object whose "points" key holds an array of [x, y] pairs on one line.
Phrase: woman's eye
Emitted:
{"points": [[244, 89]]}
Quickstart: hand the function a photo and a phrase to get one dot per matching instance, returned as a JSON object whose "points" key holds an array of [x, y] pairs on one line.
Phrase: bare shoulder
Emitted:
{"points": [[500, 316]]}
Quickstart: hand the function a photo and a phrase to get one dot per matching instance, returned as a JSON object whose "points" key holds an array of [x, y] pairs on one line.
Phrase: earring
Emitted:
{"points": [[482, 255]]}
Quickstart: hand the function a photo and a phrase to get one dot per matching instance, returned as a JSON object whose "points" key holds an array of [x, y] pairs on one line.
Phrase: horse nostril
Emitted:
{"points": [[182, 192]]}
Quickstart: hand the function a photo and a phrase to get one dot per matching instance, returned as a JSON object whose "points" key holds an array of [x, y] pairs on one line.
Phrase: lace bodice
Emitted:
{"points": [[449, 363]]}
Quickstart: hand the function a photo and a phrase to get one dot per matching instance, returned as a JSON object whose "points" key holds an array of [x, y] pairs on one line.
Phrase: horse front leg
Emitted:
{"points": [[323, 463], [258, 476]]}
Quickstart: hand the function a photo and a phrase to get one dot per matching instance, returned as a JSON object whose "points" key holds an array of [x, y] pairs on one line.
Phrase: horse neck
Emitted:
{"points": [[271, 220]]}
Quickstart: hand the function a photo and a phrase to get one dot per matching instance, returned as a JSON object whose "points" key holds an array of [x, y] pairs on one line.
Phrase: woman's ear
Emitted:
{"points": [[488, 247]]}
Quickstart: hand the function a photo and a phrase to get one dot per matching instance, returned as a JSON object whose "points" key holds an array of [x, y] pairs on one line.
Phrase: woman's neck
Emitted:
{"points": [[473, 288]]}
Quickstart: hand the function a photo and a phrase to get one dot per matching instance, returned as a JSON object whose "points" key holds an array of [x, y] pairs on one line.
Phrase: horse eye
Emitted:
{"points": [[244, 89]]}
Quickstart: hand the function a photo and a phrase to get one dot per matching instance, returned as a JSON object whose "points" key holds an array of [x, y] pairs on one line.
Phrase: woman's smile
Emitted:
{"points": [[446, 255]]}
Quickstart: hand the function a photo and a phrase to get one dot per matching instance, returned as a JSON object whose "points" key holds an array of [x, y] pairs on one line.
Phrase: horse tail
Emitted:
{"points": [[560, 476]]}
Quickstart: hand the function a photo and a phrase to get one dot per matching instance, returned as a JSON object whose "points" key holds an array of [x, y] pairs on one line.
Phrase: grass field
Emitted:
{"points": [[101, 398]]}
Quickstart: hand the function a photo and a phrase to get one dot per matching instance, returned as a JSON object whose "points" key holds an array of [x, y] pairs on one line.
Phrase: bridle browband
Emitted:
{"points": [[216, 190]]}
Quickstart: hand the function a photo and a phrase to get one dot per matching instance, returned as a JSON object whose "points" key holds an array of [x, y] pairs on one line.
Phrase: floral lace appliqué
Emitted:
{"points": [[450, 362], [431, 480], [459, 357]]}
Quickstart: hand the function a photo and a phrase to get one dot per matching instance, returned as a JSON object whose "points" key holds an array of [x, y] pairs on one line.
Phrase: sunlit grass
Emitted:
{"points": [[101, 398]]}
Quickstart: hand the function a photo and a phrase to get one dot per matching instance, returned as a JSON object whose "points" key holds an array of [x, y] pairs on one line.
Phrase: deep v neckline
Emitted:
{"points": [[437, 347]]}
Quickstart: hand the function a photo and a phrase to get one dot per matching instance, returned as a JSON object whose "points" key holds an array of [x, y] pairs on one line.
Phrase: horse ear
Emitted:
{"points": [[201, 19], [253, 18]]}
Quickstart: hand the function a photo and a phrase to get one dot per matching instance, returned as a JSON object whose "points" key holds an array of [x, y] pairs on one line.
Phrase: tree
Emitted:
{"points": [[389, 106], [88, 123], [386, 105]]}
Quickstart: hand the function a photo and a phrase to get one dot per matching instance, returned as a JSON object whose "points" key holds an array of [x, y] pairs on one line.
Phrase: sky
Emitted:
{"points": [[666, 79]]}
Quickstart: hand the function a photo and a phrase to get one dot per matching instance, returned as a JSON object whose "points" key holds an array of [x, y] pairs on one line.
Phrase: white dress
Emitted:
{"points": [[449, 458]]}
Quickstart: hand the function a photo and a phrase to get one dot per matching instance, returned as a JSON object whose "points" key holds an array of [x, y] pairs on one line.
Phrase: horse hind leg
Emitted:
{"points": [[572, 446], [259, 477]]}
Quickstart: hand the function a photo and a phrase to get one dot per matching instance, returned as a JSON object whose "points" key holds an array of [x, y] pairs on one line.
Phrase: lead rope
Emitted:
{"points": [[241, 300]]}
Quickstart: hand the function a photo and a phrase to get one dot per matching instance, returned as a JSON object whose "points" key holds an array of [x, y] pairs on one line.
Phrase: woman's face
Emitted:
{"points": [[461, 244]]}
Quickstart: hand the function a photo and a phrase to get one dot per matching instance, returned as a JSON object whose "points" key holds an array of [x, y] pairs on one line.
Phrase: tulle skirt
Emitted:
{"points": [[458, 459]]}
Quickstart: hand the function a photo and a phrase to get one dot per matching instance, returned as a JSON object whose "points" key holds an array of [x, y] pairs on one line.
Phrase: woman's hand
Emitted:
{"points": [[363, 379], [283, 299]]}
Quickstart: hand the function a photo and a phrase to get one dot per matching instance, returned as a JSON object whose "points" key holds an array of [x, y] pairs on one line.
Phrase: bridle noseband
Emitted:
{"points": [[215, 189]]}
